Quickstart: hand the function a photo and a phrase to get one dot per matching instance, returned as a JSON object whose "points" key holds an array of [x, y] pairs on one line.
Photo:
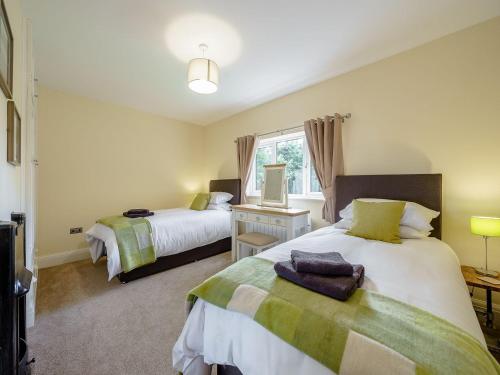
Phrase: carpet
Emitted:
{"points": [[87, 325]]}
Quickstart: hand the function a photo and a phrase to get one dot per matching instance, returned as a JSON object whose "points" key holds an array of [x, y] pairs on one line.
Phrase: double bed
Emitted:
{"points": [[424, 273], [180, 236]]}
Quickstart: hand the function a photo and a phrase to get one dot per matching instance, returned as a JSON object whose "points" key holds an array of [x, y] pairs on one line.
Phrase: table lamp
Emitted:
{"points": [[486, 227]]}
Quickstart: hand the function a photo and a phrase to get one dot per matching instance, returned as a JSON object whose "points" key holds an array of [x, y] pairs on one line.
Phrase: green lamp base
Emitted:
{"points": [[485, 272]]}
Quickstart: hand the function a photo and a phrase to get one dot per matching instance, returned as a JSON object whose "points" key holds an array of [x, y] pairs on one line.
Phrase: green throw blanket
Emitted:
{"points": [[369, 332], [135, 241]]}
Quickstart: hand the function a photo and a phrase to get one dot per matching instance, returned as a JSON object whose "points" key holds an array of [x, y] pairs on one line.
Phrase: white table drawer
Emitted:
{"points": [[258, 218], [277, 221], [240, 215]]}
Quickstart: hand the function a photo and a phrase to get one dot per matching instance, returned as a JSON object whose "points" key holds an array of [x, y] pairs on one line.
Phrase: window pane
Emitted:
{"points": [[314, 188], [263, 156], [292, 153]]}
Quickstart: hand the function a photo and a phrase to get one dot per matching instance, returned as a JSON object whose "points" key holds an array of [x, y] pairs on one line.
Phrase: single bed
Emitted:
{"points": [[180, 236], [424, 273]]}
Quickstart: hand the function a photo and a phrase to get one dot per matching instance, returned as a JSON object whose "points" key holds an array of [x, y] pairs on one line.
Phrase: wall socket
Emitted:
{"points": [[75, 230]]}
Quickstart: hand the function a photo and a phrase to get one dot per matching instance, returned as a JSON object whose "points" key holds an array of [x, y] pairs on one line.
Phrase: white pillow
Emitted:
{"points": [[404, 231], [219, 207], [414, 215], [217, 197]]}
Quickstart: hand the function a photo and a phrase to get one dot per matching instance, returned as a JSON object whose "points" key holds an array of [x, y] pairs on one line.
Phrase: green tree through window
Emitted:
{"points": [[292, 153], [263, 156], [290, 149], [315, 187]]}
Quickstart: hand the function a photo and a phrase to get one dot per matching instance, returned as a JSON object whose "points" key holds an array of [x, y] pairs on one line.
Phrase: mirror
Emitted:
{"points": [[274, 191]]}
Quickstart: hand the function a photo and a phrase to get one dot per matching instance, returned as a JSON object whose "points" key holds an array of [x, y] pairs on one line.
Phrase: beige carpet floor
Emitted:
{"points": [[85, 325]]}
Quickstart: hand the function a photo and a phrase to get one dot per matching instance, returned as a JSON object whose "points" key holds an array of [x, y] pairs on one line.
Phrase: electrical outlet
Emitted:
{"points": [[75, 230]]}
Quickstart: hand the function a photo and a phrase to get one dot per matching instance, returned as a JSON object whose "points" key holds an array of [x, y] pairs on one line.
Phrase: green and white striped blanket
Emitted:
{"points": [[134, 238], [366, 334]]}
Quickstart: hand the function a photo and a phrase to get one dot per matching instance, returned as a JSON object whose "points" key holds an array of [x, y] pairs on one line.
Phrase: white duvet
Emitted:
{"points": [[424, 273], [174, 231]]}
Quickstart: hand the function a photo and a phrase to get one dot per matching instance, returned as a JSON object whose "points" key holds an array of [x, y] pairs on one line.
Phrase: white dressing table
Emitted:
{"points": [[284, 223]]}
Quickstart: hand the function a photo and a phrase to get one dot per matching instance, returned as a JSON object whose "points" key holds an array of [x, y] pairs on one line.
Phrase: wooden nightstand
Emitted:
{"points": [[492, 334], [471, 279]]}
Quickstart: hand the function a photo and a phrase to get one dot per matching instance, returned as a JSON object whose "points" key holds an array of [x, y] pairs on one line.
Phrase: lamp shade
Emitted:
{"points": [[485, 226], [203, 76]]}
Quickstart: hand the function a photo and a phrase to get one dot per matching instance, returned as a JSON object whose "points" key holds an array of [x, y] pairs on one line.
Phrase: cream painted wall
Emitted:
{"points": [[432, 109], [98, 159], [11, 178]]}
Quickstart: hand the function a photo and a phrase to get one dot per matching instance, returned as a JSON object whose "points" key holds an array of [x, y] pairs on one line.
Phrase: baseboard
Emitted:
{"points": [[63, 257], [481, 303]]}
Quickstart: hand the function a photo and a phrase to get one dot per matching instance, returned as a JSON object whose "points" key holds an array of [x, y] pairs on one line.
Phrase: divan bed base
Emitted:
{"points": [[176, 260], [228, 370]]}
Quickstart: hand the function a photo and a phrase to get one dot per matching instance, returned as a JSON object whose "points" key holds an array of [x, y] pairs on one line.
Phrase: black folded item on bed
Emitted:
{"points": [[321, 263], [338, 287], [138, 212]]}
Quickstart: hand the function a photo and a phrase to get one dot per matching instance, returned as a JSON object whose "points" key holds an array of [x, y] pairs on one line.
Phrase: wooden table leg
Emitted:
{"points": [[489, 309], [234, 234]]}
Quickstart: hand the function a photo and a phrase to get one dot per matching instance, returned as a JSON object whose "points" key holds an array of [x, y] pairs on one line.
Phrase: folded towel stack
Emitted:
{"points": [[325, 273], [321, 263], [138, 212]]}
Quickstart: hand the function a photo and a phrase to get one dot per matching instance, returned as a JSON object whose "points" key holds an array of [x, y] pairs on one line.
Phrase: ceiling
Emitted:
{"points": [[135, 53]]}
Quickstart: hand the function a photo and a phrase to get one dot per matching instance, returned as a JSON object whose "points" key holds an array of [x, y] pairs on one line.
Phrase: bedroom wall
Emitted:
{"points": [[99, 159], [432, 109], [11, 178]]}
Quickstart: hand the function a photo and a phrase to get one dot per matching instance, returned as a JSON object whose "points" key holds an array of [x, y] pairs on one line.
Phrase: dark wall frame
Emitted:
{"points": [[6, 83], [14, 131]]}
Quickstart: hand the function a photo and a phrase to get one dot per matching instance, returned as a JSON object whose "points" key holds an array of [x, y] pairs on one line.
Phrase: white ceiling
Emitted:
{"points": [[134, 52]]}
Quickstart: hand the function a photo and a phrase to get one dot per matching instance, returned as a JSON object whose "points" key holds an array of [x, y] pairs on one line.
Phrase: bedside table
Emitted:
{"points": [[471, 279], [491, 334]]}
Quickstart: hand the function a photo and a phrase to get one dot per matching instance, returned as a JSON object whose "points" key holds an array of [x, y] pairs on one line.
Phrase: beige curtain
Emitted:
{"points": [[246, 147], [324, 138]]}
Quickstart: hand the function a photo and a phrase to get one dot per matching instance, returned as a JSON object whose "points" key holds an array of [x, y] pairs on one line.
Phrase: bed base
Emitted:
{"points": [[228, 370], [176, 260]]}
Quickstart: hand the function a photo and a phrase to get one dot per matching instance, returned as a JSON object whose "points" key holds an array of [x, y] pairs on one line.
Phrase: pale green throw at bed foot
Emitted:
{"points": [[134, 238], [369, 333]]}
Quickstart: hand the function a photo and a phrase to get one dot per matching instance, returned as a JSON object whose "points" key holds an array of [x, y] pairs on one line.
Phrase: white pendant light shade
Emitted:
{"points": [[203, 76]]}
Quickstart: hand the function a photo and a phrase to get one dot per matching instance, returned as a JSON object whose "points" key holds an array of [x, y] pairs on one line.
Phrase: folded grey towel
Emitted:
{"points": [[338, 287], [134, 215], [321, 263]]}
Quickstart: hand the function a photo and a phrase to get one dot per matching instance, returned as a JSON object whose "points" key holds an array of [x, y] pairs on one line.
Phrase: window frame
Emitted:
{"points": [[306, 168]]}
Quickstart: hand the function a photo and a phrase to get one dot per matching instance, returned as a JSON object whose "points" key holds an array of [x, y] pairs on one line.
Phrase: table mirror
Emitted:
{"points": [[274, 192]]}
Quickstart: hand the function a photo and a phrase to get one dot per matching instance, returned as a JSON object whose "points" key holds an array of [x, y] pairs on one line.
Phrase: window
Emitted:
{"points": [[292, 150]]}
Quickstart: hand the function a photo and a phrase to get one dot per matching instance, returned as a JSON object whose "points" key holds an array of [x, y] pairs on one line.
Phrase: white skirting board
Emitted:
{"points": [[482, 303], [63, 257]]}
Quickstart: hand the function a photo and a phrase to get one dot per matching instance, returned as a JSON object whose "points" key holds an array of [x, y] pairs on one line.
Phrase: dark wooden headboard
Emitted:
{"points": [[232, 186], [424, 189]]}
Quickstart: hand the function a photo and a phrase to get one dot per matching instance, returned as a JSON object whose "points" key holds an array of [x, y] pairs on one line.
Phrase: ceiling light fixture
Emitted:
{"points": [[203, 74]]}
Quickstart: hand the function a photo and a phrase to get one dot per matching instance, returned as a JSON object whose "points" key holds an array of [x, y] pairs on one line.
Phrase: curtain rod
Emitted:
{"points": [[346, 116]]}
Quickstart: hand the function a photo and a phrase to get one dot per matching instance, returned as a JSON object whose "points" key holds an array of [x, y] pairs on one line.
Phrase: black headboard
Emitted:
{"points": [[232, 186], [424, 189]]}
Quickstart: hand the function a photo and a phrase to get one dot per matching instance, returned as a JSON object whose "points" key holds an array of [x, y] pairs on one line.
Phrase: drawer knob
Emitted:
{"points": [[257, 218], [278, 221]]}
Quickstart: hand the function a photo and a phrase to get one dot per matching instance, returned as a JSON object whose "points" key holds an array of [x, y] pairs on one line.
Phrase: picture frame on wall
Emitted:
{"points": [[6, 53], [13, 134]]}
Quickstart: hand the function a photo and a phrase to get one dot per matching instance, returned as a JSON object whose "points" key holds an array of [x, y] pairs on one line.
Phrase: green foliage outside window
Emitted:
{"points": [[292, 153], [263, 156], [315, 187]]}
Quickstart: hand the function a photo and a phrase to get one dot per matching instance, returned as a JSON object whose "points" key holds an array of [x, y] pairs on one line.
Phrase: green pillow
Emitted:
{"points": [[200, 202], [377, 220]]}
